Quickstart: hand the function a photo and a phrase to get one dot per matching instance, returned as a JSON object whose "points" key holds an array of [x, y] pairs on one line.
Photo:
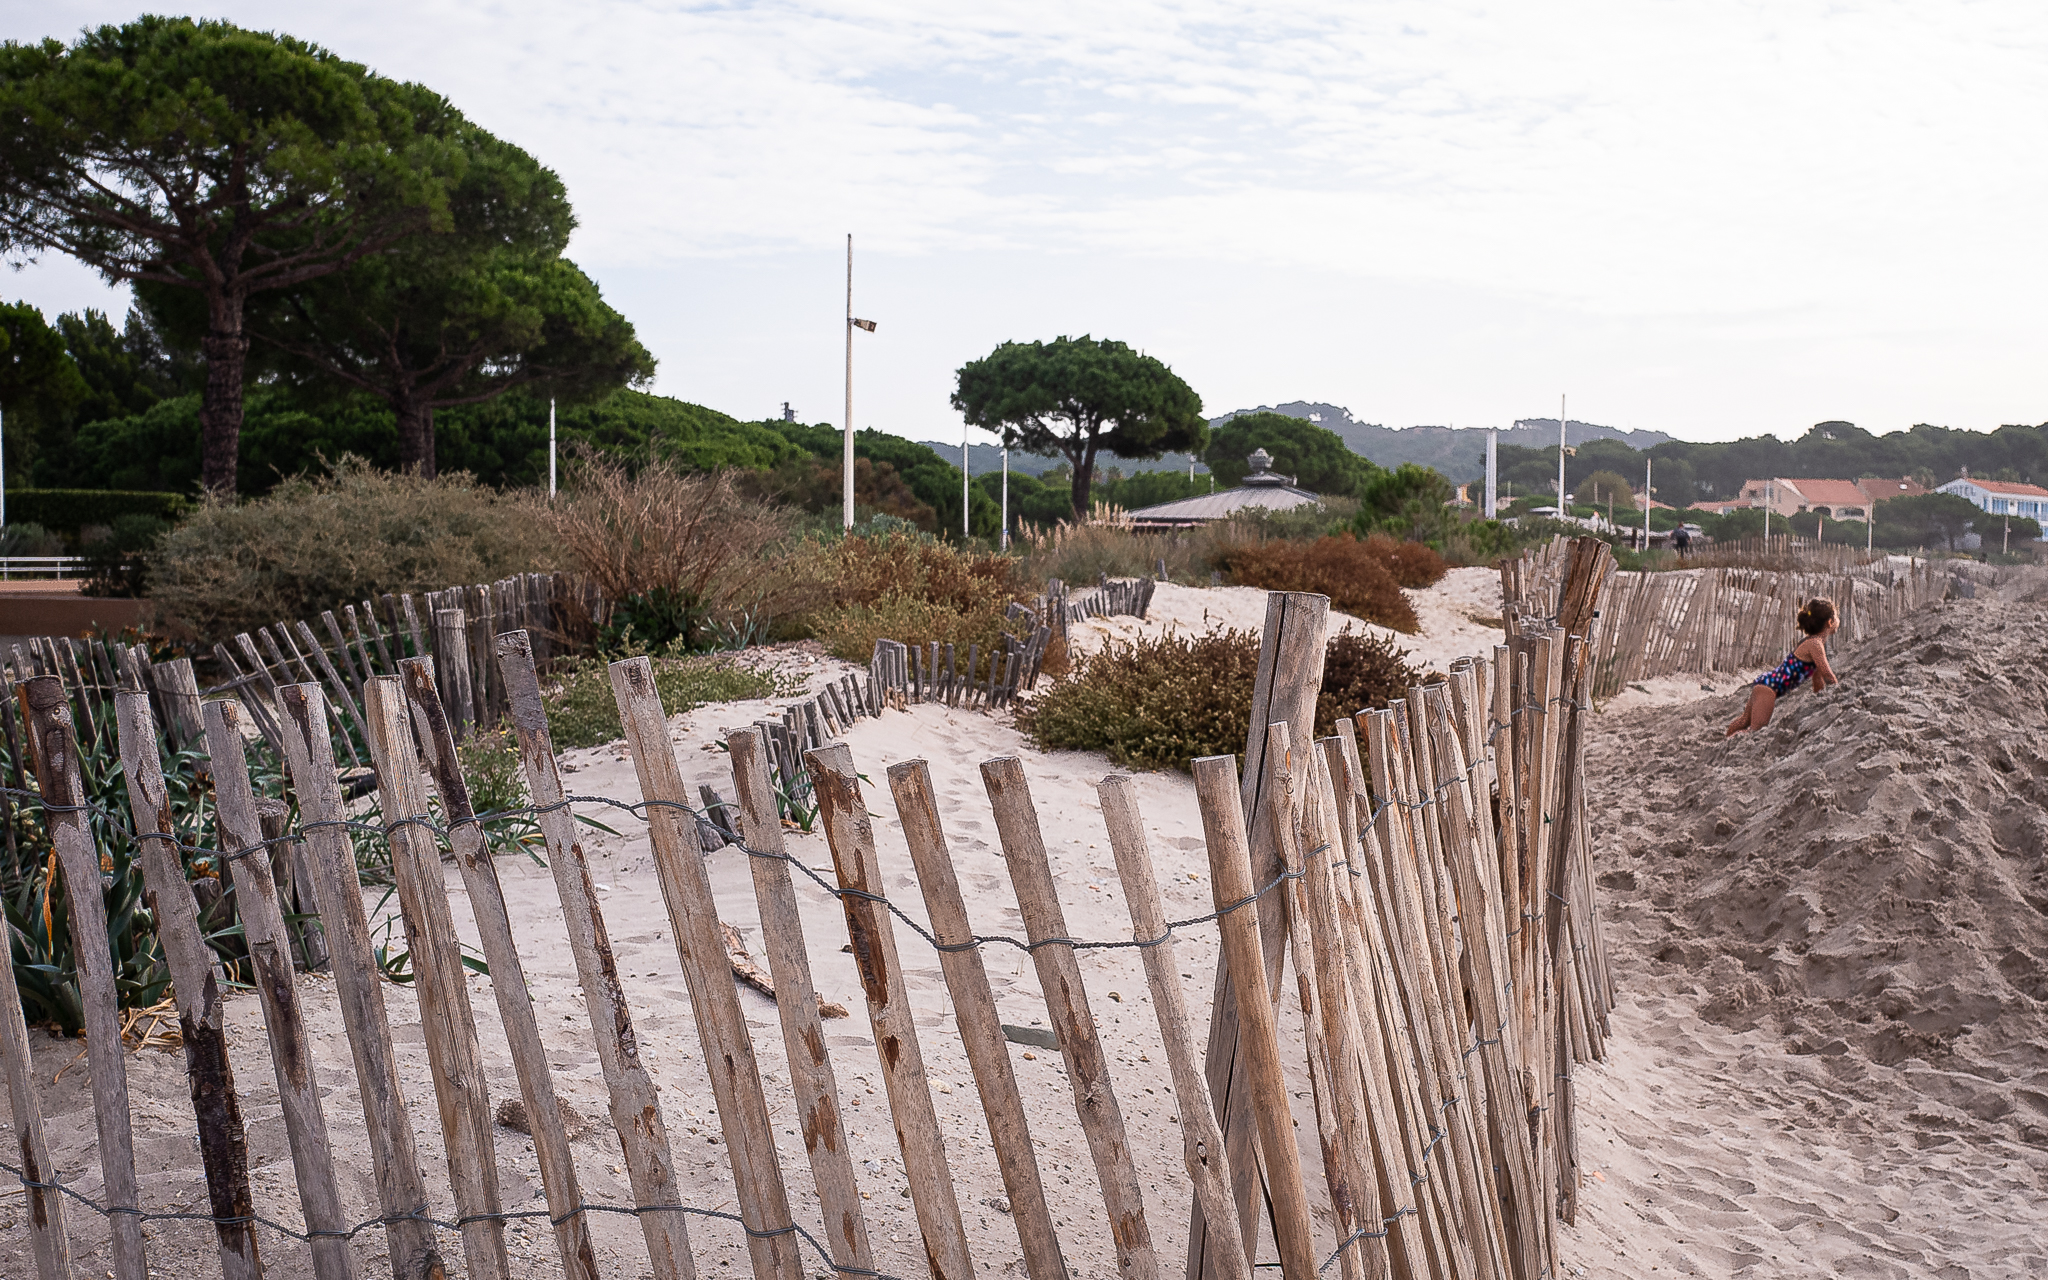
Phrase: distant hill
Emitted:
{"points": [[984, 458], [1458, 452]]}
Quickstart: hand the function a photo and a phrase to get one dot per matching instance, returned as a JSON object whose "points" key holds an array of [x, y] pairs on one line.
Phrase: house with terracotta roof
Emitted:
{"points": [[2000, 497], [1878, 488], [1835, 499]]}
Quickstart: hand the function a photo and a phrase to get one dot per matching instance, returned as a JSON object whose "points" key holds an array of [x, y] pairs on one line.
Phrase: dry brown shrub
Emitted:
{"points": [[656, 529], [319, 542], [901, 586], [1413, 564], [1340, 567]]}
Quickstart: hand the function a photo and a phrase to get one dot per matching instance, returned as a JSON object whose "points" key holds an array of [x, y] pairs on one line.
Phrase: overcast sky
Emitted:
{"points": [[1712, 219]]}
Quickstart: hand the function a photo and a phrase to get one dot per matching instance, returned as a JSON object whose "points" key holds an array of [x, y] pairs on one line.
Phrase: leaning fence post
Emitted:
{"points": [[223, 1146], [1230, 880], [981, 1025], [635, 1107], [1066, 1006], [270, 960], [1208, 1165], [38, 1173], [796, 1003], [873, 938], [700, 946], [446, 1019], [1290, 673], [436, 740], [331, 861], [58, 775]]}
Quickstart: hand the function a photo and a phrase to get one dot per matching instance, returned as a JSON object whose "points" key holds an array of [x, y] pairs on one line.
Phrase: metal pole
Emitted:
{"points": [[1560, 458], [964, 503], [1646, 504], [1492, 474], [1006, 497], [551, 446], [846, 461]]}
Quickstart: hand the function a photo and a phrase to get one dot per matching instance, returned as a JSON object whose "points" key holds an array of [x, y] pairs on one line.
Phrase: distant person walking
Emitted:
{"points": [[1682, 540], [1808, 658]]}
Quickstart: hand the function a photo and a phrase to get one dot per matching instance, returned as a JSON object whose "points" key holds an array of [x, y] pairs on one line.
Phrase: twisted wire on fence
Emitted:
{"points": [[116, 821]]}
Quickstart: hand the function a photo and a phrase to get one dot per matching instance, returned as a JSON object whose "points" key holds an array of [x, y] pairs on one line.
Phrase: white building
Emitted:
{"points": [[2000, 497]]}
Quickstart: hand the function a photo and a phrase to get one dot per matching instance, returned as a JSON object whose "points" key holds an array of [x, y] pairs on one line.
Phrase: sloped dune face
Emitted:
{"points": [[1866, 880]]}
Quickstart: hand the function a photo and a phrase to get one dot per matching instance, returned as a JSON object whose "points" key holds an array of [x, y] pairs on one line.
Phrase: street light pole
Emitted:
{"points": [[964, 504], [1006, 495], [551, 446], [1560, 456], [846, 460]]}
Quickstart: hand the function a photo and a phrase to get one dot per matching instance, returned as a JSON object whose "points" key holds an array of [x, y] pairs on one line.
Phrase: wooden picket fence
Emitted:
{"points": [[1708, 620], [1424, 872]]}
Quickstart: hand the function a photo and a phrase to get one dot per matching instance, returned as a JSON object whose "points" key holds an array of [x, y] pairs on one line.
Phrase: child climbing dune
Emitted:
{"points": [[1808, 658]]}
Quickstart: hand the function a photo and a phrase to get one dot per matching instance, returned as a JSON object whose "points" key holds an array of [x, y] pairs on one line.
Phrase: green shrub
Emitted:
{"points": [[1152, 704], [66, 511], [316, 543], [1353, 574], [1161, 703], [1360, 672], [21, 538], [582, 713], [117, 562]]}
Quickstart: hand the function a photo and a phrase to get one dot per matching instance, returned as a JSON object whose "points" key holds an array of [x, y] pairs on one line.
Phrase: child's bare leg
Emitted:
{"points": [[1761, 704], [1756, 714]]}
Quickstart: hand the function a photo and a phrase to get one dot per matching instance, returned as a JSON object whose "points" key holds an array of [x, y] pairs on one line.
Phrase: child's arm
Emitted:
{"points": [[1823, 674]]}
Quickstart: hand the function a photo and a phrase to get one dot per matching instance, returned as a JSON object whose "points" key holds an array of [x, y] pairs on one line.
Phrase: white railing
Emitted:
{"points": [[41, 567]]}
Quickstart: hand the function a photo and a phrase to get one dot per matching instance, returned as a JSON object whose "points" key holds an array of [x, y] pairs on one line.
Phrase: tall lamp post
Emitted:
{"points": [[846, 462]]}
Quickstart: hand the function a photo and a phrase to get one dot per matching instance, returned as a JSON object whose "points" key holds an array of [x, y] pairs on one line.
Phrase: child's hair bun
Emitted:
{"points": [[1814, 618]]}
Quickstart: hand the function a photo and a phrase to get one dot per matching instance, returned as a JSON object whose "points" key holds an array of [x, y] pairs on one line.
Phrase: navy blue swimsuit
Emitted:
{"points": [[1787, 675]]}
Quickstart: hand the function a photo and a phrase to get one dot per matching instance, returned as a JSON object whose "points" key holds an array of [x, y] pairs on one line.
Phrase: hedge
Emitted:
{"points": [[66, 511]]}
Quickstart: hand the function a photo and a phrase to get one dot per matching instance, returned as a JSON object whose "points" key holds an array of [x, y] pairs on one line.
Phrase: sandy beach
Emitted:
{"points": [[1828, 936]]}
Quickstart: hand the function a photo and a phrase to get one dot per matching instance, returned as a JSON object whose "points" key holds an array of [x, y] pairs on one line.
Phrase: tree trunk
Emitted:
{"points": [[226, 348], [1084, 480], [416, 438]]}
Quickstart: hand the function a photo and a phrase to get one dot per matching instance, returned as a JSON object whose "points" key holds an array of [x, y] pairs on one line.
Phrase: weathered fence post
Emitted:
{"points": [[1290, 673], [223, 1146], [59, 776], [436, 740], [852, 840], [721, 1026], [270, 962], [635, 1106]]}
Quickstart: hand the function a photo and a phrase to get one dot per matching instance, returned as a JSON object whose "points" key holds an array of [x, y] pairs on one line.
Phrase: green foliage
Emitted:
{"points": [[1357, 576], [39, 388], [1685, 472], [22, 538], [1930, 520], [117, 563], [814, 485], [161, 448], [1162, 703], [1318, 458], [37, 909], [582, 712], [1601, 487], [197, 155], [1152, 704], [1073, 396], [451, 317], [1410, 502], [932, 481], [69, 510], [317, 543]]}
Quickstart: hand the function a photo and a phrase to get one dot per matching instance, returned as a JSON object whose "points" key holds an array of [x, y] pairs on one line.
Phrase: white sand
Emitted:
{"points": [[1459, 617], [1817, 1067]]}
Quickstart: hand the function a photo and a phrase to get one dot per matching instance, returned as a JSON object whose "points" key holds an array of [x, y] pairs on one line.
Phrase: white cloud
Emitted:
{"points": [[1740, 188]]}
